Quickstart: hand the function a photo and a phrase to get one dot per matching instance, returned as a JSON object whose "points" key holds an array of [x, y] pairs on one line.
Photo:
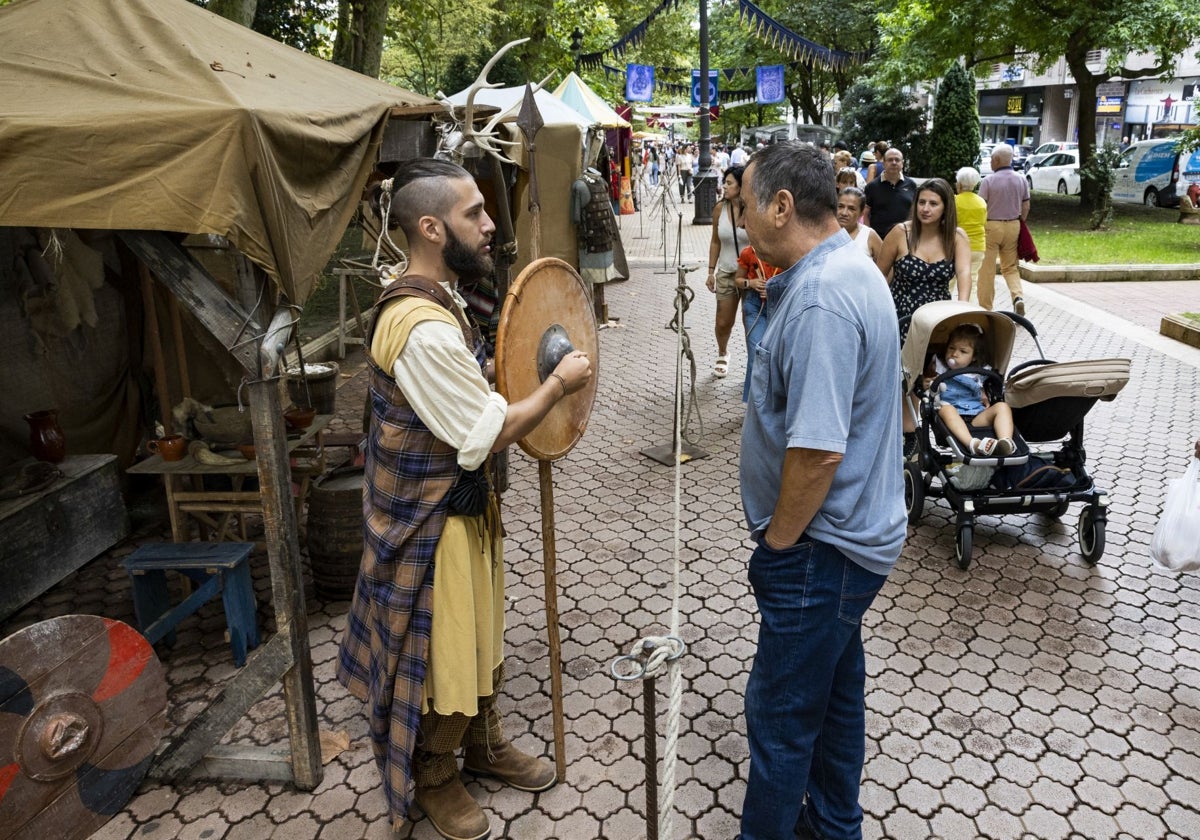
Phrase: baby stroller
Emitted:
{"points": [[1049, 402]]}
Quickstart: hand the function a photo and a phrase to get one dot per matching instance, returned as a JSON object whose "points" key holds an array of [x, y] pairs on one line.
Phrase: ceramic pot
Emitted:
{"points": [[47, 441]]}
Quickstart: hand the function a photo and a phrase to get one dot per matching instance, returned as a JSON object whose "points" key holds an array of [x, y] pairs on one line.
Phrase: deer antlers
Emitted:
{"points": [[460, 140]]}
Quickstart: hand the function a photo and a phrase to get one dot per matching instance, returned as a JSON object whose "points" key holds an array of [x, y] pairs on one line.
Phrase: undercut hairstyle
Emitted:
{"points": [[804, 171], [422, 187], [948, 224]]}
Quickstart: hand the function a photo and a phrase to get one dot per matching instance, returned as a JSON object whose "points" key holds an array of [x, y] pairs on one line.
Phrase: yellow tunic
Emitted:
{"points": [[467, 639]]}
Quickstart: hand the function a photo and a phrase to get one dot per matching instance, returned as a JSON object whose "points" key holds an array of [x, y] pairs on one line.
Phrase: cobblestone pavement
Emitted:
{"points": [[1030, 697]]}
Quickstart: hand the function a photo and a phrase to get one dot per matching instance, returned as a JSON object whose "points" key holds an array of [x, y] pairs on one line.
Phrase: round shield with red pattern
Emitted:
{"points": [[83, 703]]}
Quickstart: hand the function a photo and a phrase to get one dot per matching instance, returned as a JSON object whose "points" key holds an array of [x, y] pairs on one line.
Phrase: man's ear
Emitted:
{"points": [[430, 227], [783, 207]]}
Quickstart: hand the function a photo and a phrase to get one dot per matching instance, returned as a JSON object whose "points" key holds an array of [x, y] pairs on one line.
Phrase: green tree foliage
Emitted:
{"points": [[954, 139], [464, 69], [304, 24], [921, 38], [424, 39], [873, 112]]}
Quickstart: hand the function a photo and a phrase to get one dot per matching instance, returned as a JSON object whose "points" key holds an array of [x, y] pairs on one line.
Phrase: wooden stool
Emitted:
{"points": [[213, 567]]}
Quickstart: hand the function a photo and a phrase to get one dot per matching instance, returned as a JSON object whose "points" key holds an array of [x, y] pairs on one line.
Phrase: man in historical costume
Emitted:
{"points": [[423, 644]]}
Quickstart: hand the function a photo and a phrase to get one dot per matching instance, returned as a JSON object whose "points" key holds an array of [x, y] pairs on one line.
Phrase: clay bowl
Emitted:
{"points": [[299, 417], [247, 450]]}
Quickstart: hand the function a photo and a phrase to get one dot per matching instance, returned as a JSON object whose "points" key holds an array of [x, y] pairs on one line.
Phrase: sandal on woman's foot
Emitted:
{"points": [[721, 368], [982, 447]]}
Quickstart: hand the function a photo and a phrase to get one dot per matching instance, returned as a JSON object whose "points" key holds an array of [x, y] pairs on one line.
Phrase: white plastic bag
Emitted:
{"points": [[1175, 545]]}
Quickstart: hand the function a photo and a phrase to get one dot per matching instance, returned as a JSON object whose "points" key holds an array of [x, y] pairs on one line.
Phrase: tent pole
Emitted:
{"points": [[155, 338]]}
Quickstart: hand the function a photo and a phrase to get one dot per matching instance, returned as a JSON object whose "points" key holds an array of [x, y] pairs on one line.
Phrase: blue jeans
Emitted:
{"points": [[755, 321], [804, 700]]}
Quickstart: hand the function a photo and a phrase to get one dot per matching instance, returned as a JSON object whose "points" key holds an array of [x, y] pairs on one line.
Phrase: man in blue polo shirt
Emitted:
{"points": [[822, 487]]}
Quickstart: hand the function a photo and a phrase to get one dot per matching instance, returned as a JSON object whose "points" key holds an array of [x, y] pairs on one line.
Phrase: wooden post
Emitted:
{"points": [[154, 337], [281, 529], [549, 563], [185, 379]]}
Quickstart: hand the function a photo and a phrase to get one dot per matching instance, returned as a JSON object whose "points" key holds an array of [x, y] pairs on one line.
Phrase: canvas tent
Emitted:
{"points": [[130, 122], [157, 115], [560, 145], [576, 93]]}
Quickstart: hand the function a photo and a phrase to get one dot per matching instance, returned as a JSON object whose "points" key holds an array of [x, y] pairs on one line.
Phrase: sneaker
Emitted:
{"points": [[1019, 305], [1005, 446]]}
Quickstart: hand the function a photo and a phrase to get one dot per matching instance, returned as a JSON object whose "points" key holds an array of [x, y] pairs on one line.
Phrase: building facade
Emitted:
{"points": [[1030, 108]]}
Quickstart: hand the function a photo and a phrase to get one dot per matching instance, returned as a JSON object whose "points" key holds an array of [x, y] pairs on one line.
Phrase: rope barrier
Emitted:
{"points": [[653, 655]]}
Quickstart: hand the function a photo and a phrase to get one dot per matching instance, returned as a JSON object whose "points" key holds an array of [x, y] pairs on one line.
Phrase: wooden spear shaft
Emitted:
{"points": [[549, 563]]}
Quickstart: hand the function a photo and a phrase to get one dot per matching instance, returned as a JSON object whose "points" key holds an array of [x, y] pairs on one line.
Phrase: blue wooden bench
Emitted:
{"points": [[214, 568]]}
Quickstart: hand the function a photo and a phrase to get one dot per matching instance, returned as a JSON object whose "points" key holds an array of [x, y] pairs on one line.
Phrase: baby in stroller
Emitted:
{"points": [[963, 399]]}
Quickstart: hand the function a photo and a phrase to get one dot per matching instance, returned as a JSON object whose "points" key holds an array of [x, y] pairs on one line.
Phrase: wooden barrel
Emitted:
{"points": [[335, 534]]}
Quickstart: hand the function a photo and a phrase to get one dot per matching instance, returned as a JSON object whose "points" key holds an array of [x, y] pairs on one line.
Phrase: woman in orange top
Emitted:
{"points": [[752, 276]]}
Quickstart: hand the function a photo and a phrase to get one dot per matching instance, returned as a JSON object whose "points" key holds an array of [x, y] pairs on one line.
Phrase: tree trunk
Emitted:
{"points": [[239, 11], [358, 44], [1086, 83]]}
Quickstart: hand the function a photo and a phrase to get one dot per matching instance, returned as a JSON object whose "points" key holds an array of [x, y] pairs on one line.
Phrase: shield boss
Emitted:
{"points": [[546, 314]]}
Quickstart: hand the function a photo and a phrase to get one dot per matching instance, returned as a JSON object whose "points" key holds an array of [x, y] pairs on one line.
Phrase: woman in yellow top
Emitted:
{"points": [[972, 217]]}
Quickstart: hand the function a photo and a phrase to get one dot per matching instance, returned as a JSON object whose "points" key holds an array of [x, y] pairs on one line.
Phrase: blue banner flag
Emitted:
{"points": [[712, 87], [639, 82], [770, 84]]}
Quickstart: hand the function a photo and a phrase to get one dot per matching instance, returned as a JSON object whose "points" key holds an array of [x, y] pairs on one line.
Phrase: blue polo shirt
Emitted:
{"points": [[827, 376]]}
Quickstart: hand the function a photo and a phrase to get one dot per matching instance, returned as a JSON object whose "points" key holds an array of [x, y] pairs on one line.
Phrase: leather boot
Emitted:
{"points": [[510, 765], [454, 813]]}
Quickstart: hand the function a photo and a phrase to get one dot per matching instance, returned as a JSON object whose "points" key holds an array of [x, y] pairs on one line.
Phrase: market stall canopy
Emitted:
{"points": [[575, 92], [159, 115], [508, 100]]}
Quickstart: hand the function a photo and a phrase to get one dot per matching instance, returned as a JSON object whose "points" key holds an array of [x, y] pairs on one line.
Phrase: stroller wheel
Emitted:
{"points": [[914, 493], [1091, 535], [962, 544]]}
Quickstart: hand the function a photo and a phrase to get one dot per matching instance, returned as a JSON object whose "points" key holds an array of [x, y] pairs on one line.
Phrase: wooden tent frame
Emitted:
{"points": [[259, 349]]}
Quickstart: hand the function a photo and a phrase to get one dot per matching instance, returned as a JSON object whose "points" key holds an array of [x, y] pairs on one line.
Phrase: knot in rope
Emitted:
{"points": [[647, 658]]}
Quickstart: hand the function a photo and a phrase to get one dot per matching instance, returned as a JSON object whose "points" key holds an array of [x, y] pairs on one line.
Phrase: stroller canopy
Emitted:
{"points": [[933, 323]]}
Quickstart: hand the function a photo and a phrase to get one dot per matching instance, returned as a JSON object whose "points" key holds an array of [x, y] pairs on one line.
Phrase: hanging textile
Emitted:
{"points": [[639, 82], [770, 84], [779, 37]]}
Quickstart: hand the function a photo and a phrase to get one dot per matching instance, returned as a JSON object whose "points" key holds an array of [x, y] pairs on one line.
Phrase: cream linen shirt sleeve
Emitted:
{"points": [[442, 382]]}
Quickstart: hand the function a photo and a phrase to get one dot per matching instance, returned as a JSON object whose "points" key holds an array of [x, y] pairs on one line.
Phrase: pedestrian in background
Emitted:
{"points": [[1007, 197], [723, 263], [889, 197], [972, 216], [823, 494]]}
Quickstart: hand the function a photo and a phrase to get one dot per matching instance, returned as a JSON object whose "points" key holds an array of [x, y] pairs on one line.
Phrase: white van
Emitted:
{"points": [[1147, 173]]}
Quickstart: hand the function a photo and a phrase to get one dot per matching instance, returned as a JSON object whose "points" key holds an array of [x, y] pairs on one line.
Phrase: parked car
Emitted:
{"points": [[1057, 172], [1020, 155], [984, 162], [1148, 173], [1045, 150]]}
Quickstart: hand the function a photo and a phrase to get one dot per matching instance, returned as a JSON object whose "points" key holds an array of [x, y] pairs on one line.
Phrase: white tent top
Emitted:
{"points": [[554, 111], [575, 92]]}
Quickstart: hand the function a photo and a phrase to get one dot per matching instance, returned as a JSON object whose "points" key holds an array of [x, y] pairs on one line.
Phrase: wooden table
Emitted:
{"points": [[215, 510]]}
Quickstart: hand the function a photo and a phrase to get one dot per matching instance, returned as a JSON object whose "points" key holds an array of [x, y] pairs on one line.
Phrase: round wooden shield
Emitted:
{"points": [[547, 306], [83, 703]]}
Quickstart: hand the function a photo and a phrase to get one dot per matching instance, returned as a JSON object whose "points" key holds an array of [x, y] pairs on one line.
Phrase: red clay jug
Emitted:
{"points": [[47, 441]]}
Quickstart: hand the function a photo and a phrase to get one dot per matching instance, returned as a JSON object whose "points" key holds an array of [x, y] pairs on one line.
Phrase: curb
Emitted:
{"points": [[1104, 273]]}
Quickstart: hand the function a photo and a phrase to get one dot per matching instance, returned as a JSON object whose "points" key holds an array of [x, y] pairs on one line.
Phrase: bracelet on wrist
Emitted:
{"points": [[561, 382]]}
